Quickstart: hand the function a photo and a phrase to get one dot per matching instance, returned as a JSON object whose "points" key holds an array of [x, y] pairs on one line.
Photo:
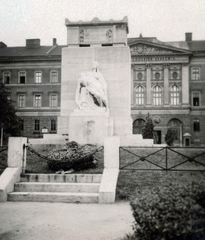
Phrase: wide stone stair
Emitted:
{"points": [[70, 188]]}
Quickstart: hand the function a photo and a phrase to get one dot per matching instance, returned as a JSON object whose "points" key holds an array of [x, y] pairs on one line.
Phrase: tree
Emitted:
{"points": [[148, 129], [8, 118], [170, 136]]}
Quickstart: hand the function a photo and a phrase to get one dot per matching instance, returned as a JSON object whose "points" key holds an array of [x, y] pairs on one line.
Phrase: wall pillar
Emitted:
{"points": [[166, 85], [148, 84], [132, 85], [185, 85]]}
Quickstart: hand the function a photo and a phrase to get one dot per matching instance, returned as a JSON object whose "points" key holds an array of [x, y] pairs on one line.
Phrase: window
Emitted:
{"points": [[195, 73], [138, 126], [157, 95], [38, 77], [175, 93], [157, 75], [37, 100], [196, 99], [53, 125], [37, 125], [175, 75], [22, 77], [6, 77], [54, 76], [196, 125], [53, 100], [21, 100], [139, 95]]}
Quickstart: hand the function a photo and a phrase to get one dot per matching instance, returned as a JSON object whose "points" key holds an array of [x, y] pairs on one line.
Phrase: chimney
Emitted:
{"points": [[54, 41], [188, 37], [33, 43]]}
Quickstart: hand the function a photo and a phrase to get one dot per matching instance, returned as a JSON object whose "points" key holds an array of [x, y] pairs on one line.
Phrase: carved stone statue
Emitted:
{"points": [[91, 92]]}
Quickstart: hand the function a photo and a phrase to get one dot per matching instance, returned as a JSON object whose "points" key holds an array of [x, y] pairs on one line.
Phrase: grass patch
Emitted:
{"points": [[131, 183]]}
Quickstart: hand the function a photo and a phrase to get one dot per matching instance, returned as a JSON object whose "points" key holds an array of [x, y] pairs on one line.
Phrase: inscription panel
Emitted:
{"points": [[95, 35]]}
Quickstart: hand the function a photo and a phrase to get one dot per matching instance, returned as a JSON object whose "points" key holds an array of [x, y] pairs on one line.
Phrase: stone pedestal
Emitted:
{"points": [[87, 128]]}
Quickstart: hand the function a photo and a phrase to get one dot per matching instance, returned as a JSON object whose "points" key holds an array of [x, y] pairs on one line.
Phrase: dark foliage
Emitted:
{"points": [[8, 118], [148, 129], [72, 156], [172, 212], [170, 136]]}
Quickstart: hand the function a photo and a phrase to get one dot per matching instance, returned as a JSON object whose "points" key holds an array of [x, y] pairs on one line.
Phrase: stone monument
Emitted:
{"points": [[95, 87]]}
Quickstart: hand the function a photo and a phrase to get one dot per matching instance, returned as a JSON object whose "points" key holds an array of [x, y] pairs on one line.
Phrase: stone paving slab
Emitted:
{"points": [[49, 221]]}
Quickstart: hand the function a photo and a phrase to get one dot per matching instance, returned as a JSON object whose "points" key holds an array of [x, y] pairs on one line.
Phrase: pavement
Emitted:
{"points": [[70, 221]]}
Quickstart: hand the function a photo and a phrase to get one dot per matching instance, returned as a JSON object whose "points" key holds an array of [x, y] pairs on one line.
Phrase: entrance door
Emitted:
{"points": [[157, 139]]}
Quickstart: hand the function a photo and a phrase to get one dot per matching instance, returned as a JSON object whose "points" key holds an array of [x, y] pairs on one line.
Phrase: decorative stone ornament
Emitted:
{"points": [[157, 119]]}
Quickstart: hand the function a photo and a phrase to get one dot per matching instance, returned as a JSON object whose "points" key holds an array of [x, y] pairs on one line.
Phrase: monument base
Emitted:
{"points": [[90, 129]]}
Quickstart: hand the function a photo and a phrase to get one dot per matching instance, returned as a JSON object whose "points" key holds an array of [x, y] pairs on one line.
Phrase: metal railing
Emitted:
{"points": [[165, 158]]}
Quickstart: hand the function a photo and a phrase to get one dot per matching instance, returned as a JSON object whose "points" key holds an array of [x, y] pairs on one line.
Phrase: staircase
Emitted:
{"points": [[70, 188]]}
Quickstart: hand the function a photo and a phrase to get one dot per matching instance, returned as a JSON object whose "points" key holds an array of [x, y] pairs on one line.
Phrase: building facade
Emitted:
{"points": [[168, 82]]}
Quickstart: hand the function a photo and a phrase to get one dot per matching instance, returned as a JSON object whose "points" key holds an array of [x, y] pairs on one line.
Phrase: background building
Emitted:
{"points": [[168, 82]]}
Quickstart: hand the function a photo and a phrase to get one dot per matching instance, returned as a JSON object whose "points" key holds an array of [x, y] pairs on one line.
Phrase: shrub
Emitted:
{"points": [[170, 136], [148, 129], [171, 212]]}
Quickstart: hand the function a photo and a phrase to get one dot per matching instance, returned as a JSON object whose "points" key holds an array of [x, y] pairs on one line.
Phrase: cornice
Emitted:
{"points": [[29, 60]]}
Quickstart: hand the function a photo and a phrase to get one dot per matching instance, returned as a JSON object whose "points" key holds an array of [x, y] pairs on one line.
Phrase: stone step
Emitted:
{"points": [[56, 187], [53, 197], [75, 178]]}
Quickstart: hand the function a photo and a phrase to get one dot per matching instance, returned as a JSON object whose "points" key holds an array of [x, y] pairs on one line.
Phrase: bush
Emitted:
{"points": [[170, 136], [148, 129], [170, 212]]}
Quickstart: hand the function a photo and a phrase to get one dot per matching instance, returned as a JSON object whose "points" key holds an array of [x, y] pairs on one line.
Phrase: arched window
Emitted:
{"points": [[139, 95], [177, 125], [157, 95], [175, 93], [138, 125]]}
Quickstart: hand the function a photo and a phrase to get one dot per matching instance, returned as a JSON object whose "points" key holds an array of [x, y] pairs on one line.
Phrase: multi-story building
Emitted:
{"points": [[168, 82], [33, 75]]}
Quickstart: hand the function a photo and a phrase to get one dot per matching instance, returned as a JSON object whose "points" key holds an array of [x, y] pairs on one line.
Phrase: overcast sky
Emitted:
{"points": [[168, 20]]}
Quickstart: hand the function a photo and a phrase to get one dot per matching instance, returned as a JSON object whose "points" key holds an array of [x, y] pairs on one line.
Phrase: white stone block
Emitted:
{"points": [[15, 151], [108, 185], [111, 152], [7, 180]]}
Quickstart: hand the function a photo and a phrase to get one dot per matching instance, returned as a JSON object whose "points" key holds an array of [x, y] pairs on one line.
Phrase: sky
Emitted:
{"points": [[168, 20]]}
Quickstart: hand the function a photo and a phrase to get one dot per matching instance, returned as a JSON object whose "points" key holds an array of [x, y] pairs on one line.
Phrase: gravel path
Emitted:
{"points": [[49, 221]]}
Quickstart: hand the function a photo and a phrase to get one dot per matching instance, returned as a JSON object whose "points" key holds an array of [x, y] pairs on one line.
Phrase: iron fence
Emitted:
{"points": [[162, 159]]}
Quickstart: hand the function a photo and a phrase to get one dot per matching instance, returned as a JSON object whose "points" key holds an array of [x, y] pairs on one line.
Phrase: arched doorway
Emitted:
{"points": [[177, 125], [138, 125]]}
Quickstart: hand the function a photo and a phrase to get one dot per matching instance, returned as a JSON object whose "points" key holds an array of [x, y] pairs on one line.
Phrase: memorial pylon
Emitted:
{"points": [[95, 87]]}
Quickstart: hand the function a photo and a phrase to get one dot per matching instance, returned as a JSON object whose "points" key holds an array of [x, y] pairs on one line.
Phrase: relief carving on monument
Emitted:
{"points": [[145, 49], [91, 92], [90, 35]]}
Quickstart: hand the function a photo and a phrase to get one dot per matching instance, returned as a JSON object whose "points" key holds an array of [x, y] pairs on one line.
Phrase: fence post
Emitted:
{"points": [[24, 158]]}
